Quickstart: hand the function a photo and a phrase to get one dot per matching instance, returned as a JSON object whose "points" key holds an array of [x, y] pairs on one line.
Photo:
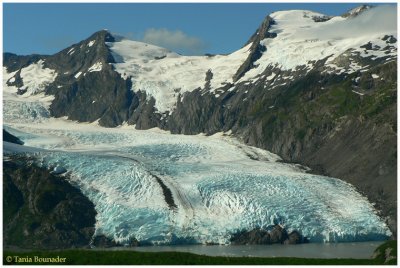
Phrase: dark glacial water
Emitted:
{"points": [[358, 250]]}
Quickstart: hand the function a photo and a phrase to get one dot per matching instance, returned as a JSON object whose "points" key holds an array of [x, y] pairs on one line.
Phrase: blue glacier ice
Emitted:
{"points": [[216, 187]]}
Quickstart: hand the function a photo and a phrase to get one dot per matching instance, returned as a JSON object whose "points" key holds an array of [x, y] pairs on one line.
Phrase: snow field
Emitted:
{"points": [[300, 41], [35, 77], [164, 74]]}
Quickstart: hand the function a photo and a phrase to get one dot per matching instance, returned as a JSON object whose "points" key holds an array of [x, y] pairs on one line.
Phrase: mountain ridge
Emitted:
{"points": [[303, 103]]}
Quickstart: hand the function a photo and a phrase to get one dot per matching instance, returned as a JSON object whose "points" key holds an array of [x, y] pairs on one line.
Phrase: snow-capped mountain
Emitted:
{"points": [[292, 43], [315, 89]]}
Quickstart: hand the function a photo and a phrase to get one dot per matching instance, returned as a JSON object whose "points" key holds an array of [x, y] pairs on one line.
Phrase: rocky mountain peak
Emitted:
{"points": [[356, 11], [256, 48], [262, 31], [91, 50], [103, 36]]}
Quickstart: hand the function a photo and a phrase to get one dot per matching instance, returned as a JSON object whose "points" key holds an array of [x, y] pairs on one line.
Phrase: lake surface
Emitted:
{"points": [[357, 250]]}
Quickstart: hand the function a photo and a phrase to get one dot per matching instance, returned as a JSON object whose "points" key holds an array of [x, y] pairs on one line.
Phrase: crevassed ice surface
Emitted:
{"points": [[216, 186]]}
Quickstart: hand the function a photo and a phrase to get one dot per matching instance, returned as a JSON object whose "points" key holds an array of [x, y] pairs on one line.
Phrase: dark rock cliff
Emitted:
{"points": [[89, 96], [41, 210], [276, 235], [256, 48], [11, 138]]}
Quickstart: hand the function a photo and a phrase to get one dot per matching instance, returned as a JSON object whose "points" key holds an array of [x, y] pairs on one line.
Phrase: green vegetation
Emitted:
{"points": [[309, 104], [94, 257], [342, 100], [300, 134], [387, 253], [378, 102], [384, 254]]}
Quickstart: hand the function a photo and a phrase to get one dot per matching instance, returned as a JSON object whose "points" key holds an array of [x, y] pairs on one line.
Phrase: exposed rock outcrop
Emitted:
{"points": [[102, 241], [43, 211], [276, 235], [256, 49], [11, 138]]}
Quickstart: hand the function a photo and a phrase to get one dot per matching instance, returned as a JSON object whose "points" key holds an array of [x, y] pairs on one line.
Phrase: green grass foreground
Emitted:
{"points": [[95, 257]]}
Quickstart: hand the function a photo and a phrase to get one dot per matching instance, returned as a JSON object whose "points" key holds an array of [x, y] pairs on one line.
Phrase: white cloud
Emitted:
{"points": [[176, 41]]}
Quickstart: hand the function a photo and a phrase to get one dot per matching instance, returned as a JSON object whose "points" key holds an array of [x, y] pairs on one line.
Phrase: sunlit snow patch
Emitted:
{"points": [[96, 67], [77, 75], [35, 78], [91, 43]]}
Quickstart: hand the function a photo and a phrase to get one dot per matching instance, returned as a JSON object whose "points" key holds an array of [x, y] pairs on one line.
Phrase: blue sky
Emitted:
{"points": [[185, 28]]}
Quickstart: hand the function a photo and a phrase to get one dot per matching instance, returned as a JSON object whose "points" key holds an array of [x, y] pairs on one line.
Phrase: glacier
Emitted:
{"points": [[218, 185]]}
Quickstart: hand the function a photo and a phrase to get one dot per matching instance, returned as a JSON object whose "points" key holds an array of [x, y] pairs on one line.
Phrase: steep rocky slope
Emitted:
{"points": [[42, 210], [11, 138]]}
